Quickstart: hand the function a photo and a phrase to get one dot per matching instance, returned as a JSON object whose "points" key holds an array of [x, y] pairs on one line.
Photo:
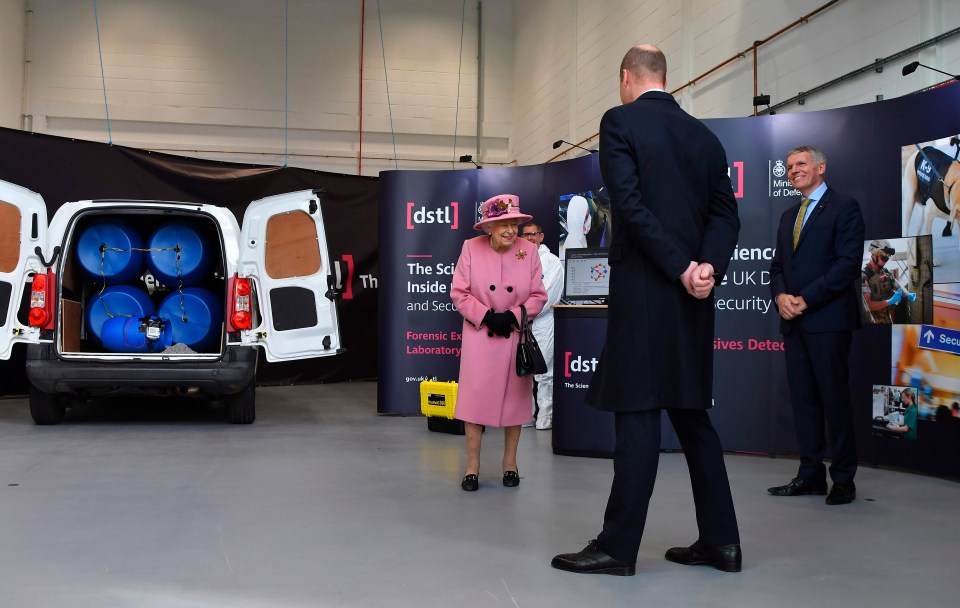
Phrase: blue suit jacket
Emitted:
{"points": [[825, 267]]}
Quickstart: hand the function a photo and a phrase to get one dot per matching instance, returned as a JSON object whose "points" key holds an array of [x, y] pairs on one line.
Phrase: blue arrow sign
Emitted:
{"points": [[939, 338]]}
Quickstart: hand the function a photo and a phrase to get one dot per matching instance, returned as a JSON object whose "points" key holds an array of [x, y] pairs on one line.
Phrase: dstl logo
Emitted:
{"points": [[344, 284], [735, 172], [577, 364], [448, 214], [343, 275]]}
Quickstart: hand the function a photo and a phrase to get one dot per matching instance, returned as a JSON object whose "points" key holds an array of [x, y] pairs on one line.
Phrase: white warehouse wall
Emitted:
{"points": [[12, 30], [206, 77], [586, 40]]}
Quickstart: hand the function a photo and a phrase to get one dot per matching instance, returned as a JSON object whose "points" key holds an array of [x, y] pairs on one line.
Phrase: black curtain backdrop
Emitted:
{"points": [[63, 170]]}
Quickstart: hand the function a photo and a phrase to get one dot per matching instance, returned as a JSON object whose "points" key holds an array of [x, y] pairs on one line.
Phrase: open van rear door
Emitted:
{"points": [[23, 228], [283, 250]]}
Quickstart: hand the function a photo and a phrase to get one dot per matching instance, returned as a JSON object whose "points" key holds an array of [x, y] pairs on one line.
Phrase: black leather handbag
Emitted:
{"points": [[529, 358]]}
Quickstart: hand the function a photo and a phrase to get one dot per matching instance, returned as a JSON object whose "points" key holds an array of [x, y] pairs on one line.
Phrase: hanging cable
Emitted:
{"points": [[103, 79], [363, 26], [456, 116], [386, 81], [286, 79]]}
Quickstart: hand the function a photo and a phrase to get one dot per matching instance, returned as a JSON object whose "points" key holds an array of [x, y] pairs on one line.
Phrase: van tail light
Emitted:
{"points": [[41, 300], [38, 317], [240, 314]]}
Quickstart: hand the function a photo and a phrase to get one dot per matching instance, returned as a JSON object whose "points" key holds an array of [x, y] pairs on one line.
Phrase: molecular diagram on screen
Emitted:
{"points": [[599, 272]]}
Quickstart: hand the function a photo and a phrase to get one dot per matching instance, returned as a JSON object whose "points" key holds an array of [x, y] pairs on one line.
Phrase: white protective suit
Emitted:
{"points": [[543, 331], [578, 225]]}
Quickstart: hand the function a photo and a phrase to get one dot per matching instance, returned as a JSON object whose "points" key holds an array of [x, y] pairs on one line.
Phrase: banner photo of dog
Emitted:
{"points": [[933, 376], [896, 411], [930, 199], [896, 280], [584, 221]]}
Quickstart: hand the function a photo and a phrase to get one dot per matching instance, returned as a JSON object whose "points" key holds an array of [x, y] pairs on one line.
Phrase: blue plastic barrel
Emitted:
{"points": [[195, 315], [128, 335], [178, 255], [117, 301], [107, 251]]}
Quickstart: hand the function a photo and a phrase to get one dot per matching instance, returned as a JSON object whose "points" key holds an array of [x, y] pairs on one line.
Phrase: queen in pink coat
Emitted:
{"points": [[496, 274]]}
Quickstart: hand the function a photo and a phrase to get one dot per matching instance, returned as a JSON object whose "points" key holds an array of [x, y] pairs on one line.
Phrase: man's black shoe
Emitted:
{"points": [[842, 493], [800, 487], [592, 561], [722, 557]]}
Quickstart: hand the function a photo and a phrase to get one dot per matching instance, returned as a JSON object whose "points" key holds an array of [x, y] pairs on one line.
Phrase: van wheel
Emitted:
{"points": [[242, 408], [46, 408]]}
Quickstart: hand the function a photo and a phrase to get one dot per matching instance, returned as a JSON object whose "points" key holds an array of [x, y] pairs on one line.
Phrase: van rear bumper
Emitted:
{"points": [[228, 375]]}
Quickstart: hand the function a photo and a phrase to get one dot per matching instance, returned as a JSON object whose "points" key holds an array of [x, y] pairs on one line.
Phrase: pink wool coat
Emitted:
{"points": [[489, 391]]}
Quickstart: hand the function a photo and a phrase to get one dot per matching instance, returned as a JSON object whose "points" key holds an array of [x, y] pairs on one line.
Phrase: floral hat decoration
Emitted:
{"points": [[501, 207]]}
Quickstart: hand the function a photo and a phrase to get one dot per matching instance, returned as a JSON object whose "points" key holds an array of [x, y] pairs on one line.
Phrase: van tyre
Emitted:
{"points": [[241, 408], [46, 408]]}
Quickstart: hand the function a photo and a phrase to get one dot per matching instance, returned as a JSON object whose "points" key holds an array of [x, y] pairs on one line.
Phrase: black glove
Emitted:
{"points": [[500, 323]]}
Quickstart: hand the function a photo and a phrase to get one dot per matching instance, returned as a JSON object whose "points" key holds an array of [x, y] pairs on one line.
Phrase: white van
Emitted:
{"points": [[266, 285]]}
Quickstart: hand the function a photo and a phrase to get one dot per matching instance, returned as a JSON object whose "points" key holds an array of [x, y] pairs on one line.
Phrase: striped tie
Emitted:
{"points": [[799, 223]]}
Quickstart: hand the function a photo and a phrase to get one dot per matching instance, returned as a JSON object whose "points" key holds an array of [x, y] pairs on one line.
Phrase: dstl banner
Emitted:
{"points": [[426, 216]]}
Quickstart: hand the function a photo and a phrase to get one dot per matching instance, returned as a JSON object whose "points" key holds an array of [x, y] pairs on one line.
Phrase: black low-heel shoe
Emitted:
{"points": [[511, 479], [470, 483]]}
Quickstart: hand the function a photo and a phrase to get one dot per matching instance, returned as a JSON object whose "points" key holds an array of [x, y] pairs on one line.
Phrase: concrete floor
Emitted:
{"points": [[323, 503]]}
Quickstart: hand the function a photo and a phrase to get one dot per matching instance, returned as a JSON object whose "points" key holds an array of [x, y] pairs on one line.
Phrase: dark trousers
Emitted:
{"points": [[818, 375], [635, 471]]}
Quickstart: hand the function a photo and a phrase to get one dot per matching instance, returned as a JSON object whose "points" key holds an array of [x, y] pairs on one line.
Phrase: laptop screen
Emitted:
{"points": [[586, 275]]}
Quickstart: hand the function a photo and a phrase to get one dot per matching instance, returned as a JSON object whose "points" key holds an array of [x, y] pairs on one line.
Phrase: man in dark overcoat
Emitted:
{"points": [[675, 226]]}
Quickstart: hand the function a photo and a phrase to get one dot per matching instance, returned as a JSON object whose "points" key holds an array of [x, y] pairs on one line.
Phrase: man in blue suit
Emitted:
{"points": [[675, 225], [814, 280]]}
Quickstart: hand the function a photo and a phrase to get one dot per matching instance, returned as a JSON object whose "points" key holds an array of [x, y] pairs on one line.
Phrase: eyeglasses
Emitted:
{"points": [[528, 234]]}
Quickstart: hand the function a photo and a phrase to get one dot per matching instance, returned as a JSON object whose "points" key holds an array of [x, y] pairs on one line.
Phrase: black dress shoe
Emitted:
{"points": [[722, 557], [841, 493], [592, 561], [470, 483], [511, 479], [800, 487]]}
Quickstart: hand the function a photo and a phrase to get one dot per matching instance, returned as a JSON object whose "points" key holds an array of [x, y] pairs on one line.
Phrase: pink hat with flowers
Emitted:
{"points": [[501, 207]]}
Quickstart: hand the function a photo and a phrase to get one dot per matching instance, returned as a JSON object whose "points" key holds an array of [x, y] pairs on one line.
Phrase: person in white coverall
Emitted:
{"points": [[579, 222], [543, 323]]}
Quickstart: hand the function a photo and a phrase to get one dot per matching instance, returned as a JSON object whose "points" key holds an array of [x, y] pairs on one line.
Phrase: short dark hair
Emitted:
{"points": [[645, 60], [534, 224]]}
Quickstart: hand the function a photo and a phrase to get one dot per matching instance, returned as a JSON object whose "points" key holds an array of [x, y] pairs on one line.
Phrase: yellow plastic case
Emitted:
{"points": [[438, 399]]}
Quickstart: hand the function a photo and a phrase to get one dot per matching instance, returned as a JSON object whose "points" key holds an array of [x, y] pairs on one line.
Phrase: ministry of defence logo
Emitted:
{"points": [[778, 185]]}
